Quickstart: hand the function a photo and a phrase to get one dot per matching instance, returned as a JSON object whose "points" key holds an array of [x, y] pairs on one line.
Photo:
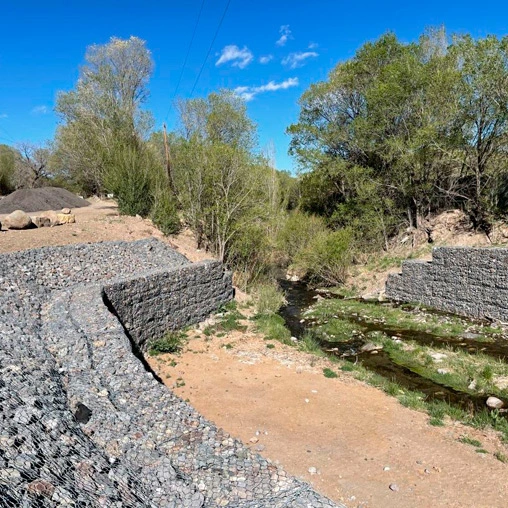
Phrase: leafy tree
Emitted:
{"points": [[7, 168], [405, 129], [103, 114], [480, 122]]}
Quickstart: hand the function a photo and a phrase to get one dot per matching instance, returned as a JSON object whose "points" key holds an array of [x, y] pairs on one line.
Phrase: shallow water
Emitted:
{"points": [[299, 298]]}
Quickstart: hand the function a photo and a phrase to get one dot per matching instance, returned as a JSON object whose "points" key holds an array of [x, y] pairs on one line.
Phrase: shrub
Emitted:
{"points": [[164, 213], [272, 326], [129, 178], [326, 260], [249, 254], [269, 299], [329, 373], [297, 233]]}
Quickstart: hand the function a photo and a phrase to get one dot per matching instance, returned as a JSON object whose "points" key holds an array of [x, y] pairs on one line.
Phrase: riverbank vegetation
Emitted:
{"points": [[399, 132]]}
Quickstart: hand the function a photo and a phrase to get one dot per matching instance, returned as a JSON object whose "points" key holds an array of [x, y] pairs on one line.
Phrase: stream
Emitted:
{"points": [[300, 297]]}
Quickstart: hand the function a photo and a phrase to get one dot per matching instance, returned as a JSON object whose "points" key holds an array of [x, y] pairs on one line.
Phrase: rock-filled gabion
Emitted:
{"points": [[472, 282], [82, 420]]}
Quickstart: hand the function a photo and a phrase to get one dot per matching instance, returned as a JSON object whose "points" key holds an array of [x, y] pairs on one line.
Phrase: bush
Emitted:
{"points": [[269, 299], [327, 259], [129, 177], [298, 232], [164, 213], [273, 327], [249, 255]]}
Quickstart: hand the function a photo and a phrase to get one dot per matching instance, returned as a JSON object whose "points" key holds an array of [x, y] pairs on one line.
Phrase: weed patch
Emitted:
{"points": [[172, 342]]}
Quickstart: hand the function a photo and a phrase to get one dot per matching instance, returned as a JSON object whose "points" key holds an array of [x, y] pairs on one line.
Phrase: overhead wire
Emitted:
{"points": [[211, 46], [189, 48]]}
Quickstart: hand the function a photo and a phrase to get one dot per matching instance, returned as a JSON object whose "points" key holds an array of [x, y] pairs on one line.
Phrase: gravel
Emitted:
{"points": [[37, 200], [83, 423]]}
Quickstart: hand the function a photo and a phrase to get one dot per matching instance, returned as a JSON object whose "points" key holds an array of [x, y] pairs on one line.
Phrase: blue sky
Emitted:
{"points": [[269, 51]]}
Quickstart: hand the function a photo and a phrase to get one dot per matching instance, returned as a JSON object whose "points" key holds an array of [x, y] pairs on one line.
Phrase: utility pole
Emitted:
{"points": [[168, 161]]}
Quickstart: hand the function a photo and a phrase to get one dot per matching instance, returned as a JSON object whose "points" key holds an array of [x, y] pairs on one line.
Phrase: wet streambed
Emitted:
{"points": [[299, 298]]}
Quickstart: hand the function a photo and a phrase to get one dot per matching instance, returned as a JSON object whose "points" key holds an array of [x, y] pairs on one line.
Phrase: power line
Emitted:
{"points": [[186, 58], [189, 48], [211, 46]]}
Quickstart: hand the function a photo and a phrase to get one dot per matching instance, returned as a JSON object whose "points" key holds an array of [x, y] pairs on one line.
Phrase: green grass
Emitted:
{"points": [[171, 342], [329, 373], [309, 344], [270, 346], [461, 366], [470, 441], [403, 317], [272, 326], [501, 457], [336, 330], [228, 319]]}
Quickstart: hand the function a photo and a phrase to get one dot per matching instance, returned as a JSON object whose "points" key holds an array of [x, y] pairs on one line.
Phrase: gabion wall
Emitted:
{"points": [[472, 282], [82, 421]]}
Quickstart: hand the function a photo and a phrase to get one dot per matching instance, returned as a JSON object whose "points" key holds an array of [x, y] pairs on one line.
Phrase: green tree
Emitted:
{"points": [[7, 168], [103, 114], [406, 129], [480, 123]]}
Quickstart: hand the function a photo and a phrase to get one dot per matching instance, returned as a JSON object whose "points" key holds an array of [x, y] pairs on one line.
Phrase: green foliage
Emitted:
{"points": [[501, 457], [329, 373], [403, 130], [327, 259], [164, 213], [102, 116], [272, 326], [268, 298], [470, 441], [172, 342], [298, 232], [7, 168], [128, 177]]}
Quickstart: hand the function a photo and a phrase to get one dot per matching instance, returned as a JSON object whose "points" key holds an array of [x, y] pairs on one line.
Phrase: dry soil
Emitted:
{"points": [[351, 441]]}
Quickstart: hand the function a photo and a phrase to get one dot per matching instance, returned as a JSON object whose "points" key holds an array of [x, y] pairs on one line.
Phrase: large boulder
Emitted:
{"points": [[52, 216], [41, 221], [66, 218], [17, 220]]}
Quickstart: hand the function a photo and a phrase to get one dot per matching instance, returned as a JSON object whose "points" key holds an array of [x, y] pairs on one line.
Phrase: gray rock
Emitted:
{"points": [[370, 347], [17, 220], [83, 421], [494, 403]]}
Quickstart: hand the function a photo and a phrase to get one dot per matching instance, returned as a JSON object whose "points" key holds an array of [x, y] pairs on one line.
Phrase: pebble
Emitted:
{"points": [[494, 403], [394, 487]]}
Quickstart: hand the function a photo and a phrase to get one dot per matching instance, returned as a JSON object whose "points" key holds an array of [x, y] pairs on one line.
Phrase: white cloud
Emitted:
{"points": [[285, 35], [313, 45], [265, 59], [294, 60], [239, 57], [40, 110], [4, 115], [248, 93]]}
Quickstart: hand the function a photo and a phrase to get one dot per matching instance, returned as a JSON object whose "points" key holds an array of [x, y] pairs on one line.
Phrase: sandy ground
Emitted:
{"points": [[359, 440]]}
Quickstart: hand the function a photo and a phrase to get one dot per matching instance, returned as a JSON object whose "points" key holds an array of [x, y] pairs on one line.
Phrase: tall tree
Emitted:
{"points": [[103, 114]]}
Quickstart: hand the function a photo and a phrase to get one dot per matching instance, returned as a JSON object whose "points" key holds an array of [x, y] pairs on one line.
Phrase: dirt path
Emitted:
{"points": [[359, 440]]}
